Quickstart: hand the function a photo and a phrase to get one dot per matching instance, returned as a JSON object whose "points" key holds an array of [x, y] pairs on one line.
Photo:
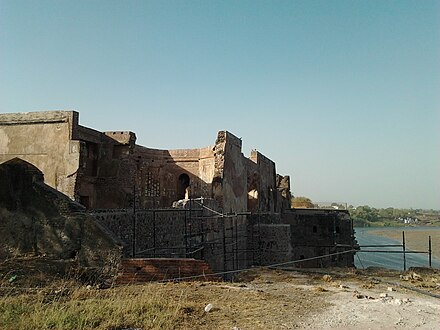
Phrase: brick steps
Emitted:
{"points": [[141, 270]]}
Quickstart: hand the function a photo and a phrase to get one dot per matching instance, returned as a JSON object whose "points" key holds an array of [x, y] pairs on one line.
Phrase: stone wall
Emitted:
{"points": [[235, 242], [311, 233], [141, 270], [274, 244], [181, 233], [320, 232]]}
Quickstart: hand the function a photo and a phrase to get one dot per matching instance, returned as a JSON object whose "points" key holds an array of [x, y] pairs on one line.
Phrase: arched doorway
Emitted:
{"points": [[252, 202], [183, 186]]}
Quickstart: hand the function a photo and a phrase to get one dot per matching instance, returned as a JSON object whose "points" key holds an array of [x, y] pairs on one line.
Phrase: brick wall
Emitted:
{"points": [[151, 269]]}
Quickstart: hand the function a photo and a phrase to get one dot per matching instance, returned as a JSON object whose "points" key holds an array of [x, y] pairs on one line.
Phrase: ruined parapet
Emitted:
{"points": [[262, 192], [284, 194], [229, 184], [40, 117], [122, 137], [219, 161]]}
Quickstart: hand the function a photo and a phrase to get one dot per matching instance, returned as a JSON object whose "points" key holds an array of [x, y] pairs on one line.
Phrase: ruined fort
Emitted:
{"points": [[211, 204]]}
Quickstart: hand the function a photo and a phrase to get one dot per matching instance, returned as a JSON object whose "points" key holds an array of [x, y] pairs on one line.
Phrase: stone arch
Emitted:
{"points": [[22, 166], [183, 186], [17, 177], [253, 192]]}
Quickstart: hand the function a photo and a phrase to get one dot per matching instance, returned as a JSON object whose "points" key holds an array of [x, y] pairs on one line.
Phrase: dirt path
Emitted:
{"points": [[360, 307], [260, 300], [266, 299]]}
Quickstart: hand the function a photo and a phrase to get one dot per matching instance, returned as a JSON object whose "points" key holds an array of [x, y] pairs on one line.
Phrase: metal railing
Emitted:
{"points": [[404, 251]]}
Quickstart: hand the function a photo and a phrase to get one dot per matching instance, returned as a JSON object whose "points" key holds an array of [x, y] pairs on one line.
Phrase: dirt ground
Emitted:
{"points": [[378, 299], [414, 239], [306, 299], [337, 299]]}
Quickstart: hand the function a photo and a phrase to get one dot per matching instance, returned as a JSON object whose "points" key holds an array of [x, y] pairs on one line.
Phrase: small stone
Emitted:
{"points": [[390, 289], [208, 308], [327, 278], [416, 277], [383, 295], [397, 302]]}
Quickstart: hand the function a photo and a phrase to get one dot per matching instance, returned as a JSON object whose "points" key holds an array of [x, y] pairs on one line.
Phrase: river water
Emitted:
{"points": [[389, 260]]}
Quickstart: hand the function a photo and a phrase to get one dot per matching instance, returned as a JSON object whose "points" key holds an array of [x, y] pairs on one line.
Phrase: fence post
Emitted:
{"points": [[186, 234], [429, 251], [403, 245], [225, 265], [236, 242], [133, 251], [154, 234], [202, 239]]}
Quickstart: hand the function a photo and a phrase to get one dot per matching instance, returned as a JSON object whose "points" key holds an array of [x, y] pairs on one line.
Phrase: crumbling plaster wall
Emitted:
{"points": [[106, 174], [80, 162], [262, 190], [43, 139], [220, 172], [230, 175], [284, 196], [158, 171]]}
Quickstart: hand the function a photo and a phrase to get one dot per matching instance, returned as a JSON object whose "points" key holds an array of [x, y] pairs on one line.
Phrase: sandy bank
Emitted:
{"points": [[415, 239]]}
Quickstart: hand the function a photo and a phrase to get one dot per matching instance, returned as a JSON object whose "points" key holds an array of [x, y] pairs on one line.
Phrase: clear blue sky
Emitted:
{"points": [[343, 95]]}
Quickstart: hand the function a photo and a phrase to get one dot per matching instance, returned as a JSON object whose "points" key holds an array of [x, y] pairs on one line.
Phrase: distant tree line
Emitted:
{"points": [[366, 216]]}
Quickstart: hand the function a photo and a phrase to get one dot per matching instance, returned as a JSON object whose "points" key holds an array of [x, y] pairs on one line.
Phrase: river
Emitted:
{"points": [[388, 260]]}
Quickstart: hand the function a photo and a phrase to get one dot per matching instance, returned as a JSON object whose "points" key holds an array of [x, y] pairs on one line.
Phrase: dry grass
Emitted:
{"points": [[271, 300], [80, 308], [265, 299]]}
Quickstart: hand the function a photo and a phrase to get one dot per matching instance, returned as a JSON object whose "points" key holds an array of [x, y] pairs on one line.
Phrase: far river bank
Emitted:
{"points": [[416, 239]]}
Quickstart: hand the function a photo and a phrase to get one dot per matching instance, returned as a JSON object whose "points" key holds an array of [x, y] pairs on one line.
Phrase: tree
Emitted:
{"points": [[302, 202], [365, 213]]}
